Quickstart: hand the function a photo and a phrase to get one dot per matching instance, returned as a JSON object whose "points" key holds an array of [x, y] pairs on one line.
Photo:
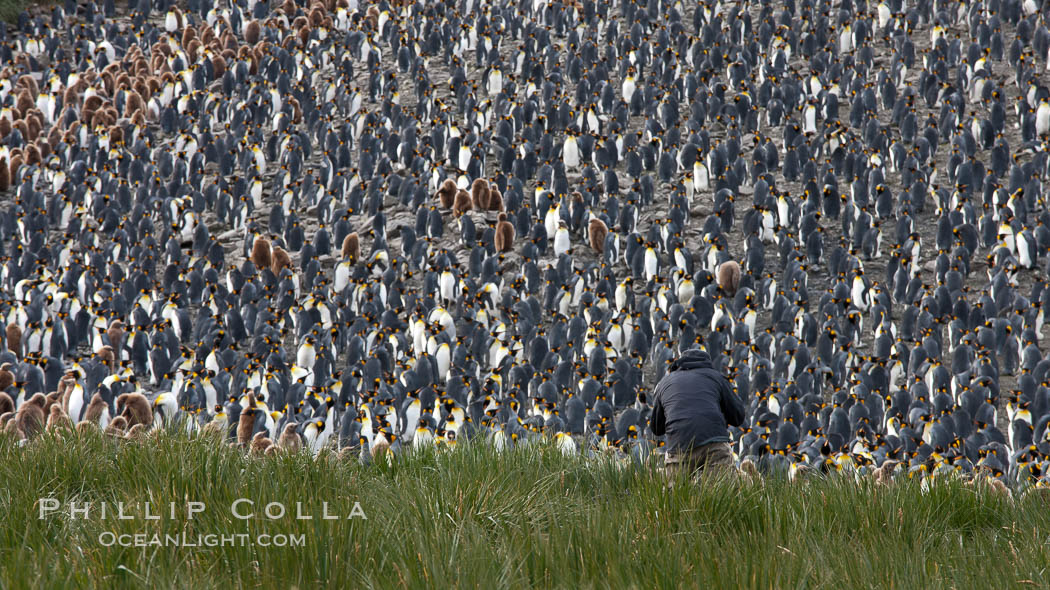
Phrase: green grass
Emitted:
{"points": [[475, 518], [10, 9]]}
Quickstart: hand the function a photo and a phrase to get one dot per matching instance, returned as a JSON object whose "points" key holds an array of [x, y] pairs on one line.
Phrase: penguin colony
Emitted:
{"points": [[373, 227]]}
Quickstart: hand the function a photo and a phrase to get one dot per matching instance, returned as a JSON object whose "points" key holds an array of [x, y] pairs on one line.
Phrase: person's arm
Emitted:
{"points": [[657, 421], [732, 407]]}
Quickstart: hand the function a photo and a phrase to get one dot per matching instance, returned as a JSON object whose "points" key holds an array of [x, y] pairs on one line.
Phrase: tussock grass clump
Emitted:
{"points": [[478, 518], [10, 9]]}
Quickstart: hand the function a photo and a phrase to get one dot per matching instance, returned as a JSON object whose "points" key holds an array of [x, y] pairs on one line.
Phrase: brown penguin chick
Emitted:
{"points": [[136, 432], [16, 163], [252, 32], [135, 409], [316, 15], [7, 379], [123, 81], [997, 487], [246, 422], [32, 154], [351, 247], [289, 439], [66, 383], [108, 81], [479, 192], [218, 64], [96, 408], [108, 359], [23, 127], [51, 399], [116, 137], [262, 255], [373, 16], [141, 73], [86, 78], [54, 137], [884, 474], [729, 276], [495, 199], [24, 101], [5, 169], [297, 111], [6, 403], [260, 444], [92, 104], [117, 426], [504, 234], [31, 419], [596, 233], [62, 399], [229, 40], [29, 82], [193, 49], [84, 427], [281, 261], [188, 34], [576, 199], [151, 73], [70, 96], [14, 339], [98, 119], [245, 426], [304, 33], [207, 35], [153, 83], [38, 116], [45, 148], [462, 204], [158, 63], [116, 335], [57, 419], [447, 193], [748, 468], [215, 428]]}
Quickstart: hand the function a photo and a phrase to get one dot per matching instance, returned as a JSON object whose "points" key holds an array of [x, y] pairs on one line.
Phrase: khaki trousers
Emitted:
{"points": [[705, 460]]}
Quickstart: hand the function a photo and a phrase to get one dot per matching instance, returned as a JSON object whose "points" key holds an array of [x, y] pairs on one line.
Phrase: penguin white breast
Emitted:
{"points": [[571, 153], [561, 241]]}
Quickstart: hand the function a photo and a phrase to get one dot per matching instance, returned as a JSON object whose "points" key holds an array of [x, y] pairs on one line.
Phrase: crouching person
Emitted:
{"points": [[693, 405]]}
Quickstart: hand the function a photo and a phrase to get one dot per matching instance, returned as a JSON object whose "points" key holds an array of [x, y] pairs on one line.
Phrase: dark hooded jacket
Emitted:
{"points": [[694, 403]]}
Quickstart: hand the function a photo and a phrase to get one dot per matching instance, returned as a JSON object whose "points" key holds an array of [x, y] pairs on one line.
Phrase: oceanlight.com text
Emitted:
{"points": [[111, 539]]}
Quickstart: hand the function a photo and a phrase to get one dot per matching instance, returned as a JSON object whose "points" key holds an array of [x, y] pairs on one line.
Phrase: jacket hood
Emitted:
{"points": [[694, 358]]}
